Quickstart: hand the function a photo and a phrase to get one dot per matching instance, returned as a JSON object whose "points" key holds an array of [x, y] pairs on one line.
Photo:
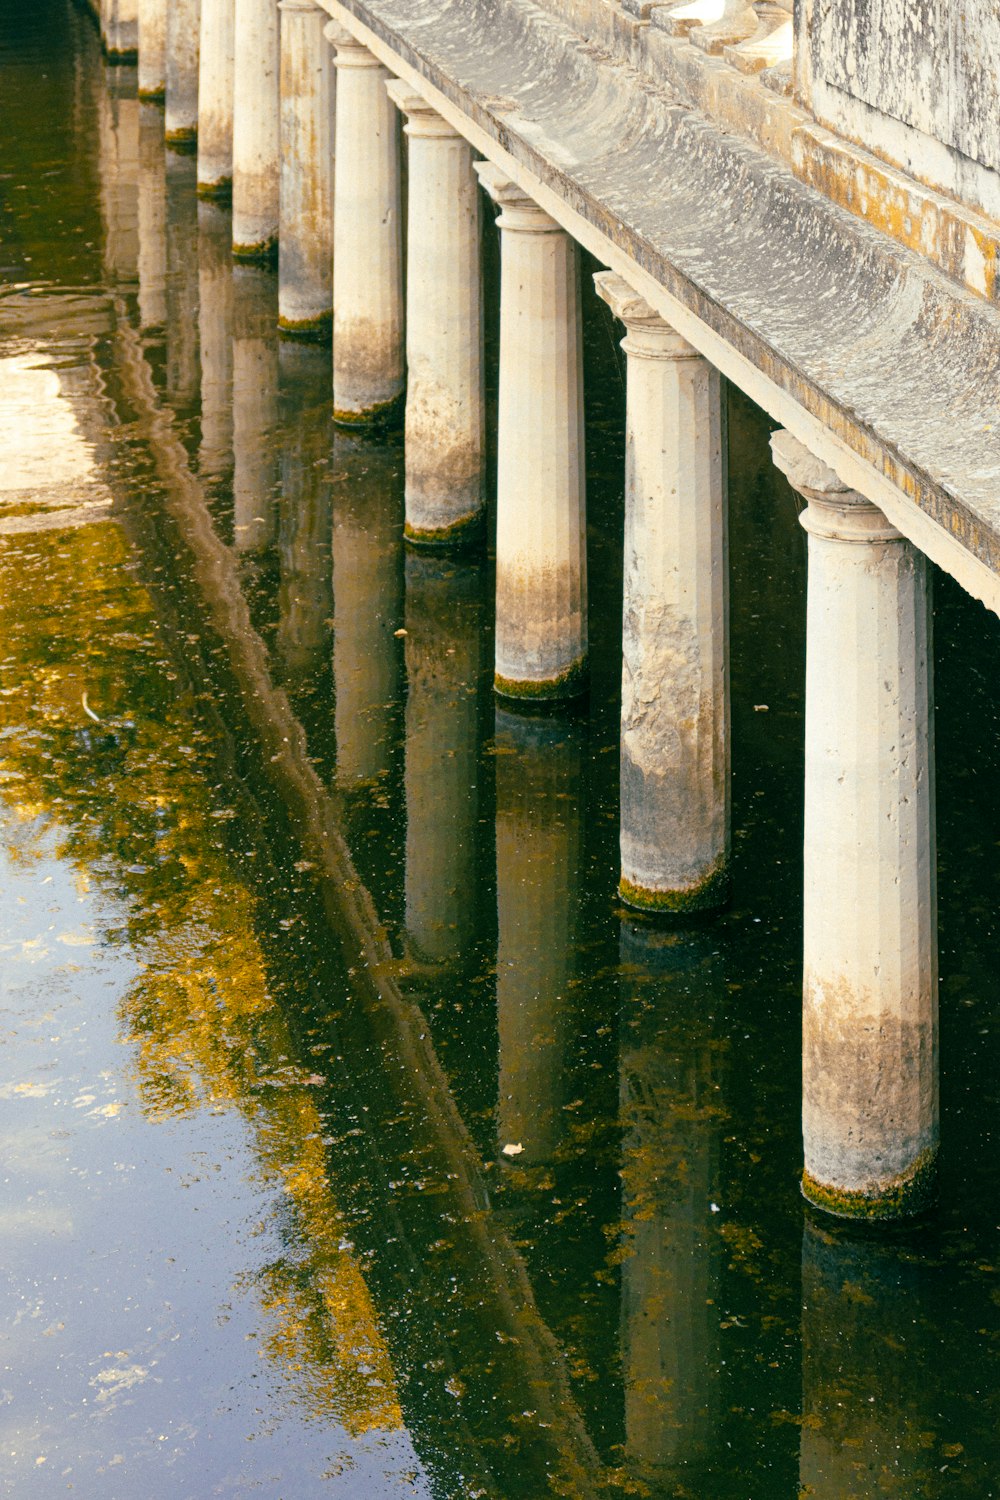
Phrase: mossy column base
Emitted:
{"points": [[674, 824], [869, 1030], [305, 234], [368, 312], [540, 693], [255, 131], [445, 422], [119, 22], [180, 121], [216, 65], [541, 597]]}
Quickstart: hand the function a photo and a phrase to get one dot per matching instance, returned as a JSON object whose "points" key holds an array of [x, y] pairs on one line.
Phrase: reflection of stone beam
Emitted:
{"points": [[505, 1299]]}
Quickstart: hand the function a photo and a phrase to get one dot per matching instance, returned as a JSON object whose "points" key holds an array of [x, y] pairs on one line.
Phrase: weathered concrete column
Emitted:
{"points": [[368, 320], [443, 637], [675, 648], [152, 219], [152, 26], [215, 98], [255, 130], [215, 321], [305, 240], [255, 409], [368, 605], [121, 30], [541, 607], [445, 417], [539, 831], [869, 1043], [183, 28]]}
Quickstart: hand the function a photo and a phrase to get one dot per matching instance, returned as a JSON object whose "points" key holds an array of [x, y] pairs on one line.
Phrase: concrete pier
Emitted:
{"points": [[183, 32], [675, 658], [305, 243], [445, 418], [152, 27], [541, 601], [216, 64], [255, 131], [368, 314], [869, 1044]]}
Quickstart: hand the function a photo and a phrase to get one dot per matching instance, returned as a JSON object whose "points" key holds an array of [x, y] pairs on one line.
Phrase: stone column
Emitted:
{"points": [[541, 605], [539, 832], [368, 361], [675, 649], [183, 25], [152, 219], [152, 49], [443, 638], [445, 419], [869, 1043], [255, 410], [305, 243], [120, 30], [215, 98], [255, 130]]}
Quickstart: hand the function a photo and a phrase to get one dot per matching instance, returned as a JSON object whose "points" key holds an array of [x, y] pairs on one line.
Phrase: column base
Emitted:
{"points": [[184, 142], [535, 692], [710, 894], [317, 330], [220, 191], [382, 414], [262, 253], [153, 96], [904, 1196], [121, 56], [457, 537]]}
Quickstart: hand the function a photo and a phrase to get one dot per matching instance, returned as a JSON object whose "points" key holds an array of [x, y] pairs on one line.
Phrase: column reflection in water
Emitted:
{"points": [[367, 600], [673, 1113], [215, 319], [118, 155], [443, 635], [255, 408], [540, 806], [152, 217], [869, 1387], [305, 592], [183, 372]]}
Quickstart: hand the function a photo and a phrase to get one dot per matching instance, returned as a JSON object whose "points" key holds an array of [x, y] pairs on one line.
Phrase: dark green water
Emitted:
{"points": [[298, 932]]}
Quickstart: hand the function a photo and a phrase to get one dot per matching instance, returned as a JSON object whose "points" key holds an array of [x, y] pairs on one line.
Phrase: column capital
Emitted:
{"points": [[303, 6], [422, 119], [350, 52], [650, 336], [519, 211], [834, 511]]}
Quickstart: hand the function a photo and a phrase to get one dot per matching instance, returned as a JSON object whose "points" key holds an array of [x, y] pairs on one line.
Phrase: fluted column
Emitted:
{"points": [[443, 636], [445, 422], [869, 1043], [305, 242], [368, 359], [539, 823], [541, 605], [152, 26], [183, 28], [215, 98], [675, 658], [255, 130]]}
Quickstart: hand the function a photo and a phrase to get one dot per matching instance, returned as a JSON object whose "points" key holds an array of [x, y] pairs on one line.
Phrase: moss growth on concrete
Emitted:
{"points": [[384, 414], [709, 895], [126, 56], [184, 142], [265, 253], [570, 684], [464, 532], [216, 192], [903, 1197], [152, 96], [309, 330]]}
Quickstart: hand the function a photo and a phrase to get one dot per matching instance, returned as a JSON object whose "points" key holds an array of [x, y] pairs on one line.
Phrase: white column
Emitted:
{"points": [[255, 409], [539, 834], [152, 219], [215, 322], [183, 25], [215, 98], [675, 658], [445, 419], [368, 360], [443, 639], [255, 130], [305, 242], [541, 605], [869, 1043], [152, 49]]}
